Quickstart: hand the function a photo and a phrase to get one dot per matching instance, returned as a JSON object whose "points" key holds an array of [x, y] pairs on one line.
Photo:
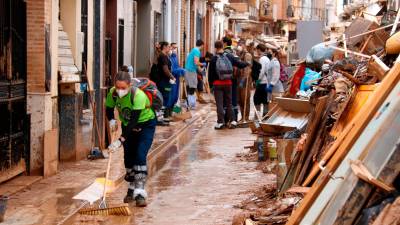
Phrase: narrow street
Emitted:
{"points": [[200, 185]]}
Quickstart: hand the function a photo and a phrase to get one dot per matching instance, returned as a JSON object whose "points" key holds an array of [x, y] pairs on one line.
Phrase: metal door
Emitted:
{"points": [[14, 126]]}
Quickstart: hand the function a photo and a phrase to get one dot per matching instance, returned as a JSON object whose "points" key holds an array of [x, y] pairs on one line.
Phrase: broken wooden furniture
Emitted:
{"points": [[346, 140]]}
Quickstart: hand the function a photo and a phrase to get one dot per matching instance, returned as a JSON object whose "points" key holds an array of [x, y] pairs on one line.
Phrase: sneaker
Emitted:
{"points": [[140, 201], [129, 196], [233, 125], [219, 126]]}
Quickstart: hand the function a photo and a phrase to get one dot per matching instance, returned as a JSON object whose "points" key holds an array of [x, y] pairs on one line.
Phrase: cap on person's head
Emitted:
{"points": [[199, 43]]}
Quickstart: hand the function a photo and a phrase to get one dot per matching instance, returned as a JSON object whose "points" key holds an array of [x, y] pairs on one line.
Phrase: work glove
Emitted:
{"points": [[269, 88], [113, 125], [115, 145], [172, 81]]}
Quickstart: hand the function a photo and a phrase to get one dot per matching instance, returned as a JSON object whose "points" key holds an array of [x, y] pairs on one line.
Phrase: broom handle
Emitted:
{"points": [[108, 169]]}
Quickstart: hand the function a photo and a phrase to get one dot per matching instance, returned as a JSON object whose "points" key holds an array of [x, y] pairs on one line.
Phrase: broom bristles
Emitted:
{"points": [[123, 210]]}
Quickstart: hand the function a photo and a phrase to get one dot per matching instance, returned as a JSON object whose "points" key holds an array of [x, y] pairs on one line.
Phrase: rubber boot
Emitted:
{"points": [[129, 176], [140, 194], [129, 196]]}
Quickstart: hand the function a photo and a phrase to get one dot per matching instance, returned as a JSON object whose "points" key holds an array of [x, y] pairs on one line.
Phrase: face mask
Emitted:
{"points": [[122, 92], [239, 48], [175, 52]]}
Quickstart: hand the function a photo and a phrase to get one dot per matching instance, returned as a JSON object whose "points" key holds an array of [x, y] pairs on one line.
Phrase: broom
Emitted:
{"points": [[103, 209], [244, 123]]}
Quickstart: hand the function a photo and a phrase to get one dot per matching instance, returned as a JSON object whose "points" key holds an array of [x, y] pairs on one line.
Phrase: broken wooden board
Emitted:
{"points": [[345, 141], [314, 132], [362, 172], [298, 189]]}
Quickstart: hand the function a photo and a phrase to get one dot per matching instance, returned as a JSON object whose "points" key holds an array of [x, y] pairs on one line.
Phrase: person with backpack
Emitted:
{"points": [[192, 65], [166, 79], [237, 65], [274, 85], [261, 94], [138, 121], [220, 78]]}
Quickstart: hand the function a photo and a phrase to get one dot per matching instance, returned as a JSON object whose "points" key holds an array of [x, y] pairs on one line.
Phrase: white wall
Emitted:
{"points": [[71, 21], [125, 12]]}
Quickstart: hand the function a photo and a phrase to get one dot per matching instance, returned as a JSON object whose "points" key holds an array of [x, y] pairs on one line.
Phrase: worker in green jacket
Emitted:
{"points": [[138, 123]]}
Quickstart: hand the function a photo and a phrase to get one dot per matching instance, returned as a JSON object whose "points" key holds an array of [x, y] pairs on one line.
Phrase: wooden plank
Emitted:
{"points": [[13, 171], [50, 166], [313, 132], [347, 139], [294, 105], [298, 189]]}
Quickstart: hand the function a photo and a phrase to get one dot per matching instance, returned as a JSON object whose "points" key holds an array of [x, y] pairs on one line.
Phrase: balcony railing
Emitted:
{"points": [[306, 13], [297, 13]]}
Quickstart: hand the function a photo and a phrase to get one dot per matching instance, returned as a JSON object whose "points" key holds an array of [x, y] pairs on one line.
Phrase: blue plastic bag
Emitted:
{"points": [[310, 75]]}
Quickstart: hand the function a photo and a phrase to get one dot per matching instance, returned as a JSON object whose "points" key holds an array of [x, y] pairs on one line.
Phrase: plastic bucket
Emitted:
{"points": [[3, 206]]}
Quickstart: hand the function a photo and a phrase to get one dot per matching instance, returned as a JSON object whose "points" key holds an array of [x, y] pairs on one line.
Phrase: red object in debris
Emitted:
{"points": [[297, 78]]}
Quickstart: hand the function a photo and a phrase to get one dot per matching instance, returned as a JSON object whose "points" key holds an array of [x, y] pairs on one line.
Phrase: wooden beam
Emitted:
{"points": [[345, 141]]}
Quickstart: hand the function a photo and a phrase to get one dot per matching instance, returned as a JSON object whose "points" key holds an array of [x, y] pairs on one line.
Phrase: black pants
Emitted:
{"points": [[223, 96], [235, 99], [261, 95], [138, 145]]}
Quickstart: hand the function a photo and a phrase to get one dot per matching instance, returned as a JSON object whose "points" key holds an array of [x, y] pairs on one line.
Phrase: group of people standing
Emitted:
{"points": [[247, 66]]}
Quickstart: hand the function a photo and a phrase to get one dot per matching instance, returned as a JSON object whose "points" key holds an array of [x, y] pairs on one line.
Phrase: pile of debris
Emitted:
{"points": [[334, 137]]}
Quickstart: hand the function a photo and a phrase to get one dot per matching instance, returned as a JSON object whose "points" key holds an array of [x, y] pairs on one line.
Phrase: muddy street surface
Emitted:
{"points": [[200, 185]]}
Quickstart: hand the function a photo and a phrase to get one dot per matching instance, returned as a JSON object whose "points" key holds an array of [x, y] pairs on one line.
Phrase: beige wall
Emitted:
{"points": [[71, 21], [54, 48], [90, 42]]}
